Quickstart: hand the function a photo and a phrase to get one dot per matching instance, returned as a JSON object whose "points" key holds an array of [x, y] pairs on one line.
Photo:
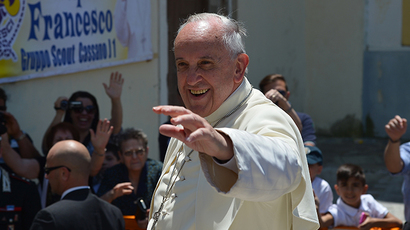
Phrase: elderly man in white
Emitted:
{"points": [[235, 160]]}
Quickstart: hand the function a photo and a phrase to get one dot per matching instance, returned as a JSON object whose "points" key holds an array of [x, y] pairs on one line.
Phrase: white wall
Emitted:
{"points": [[317, 45], [384, 25], [32, 101]]}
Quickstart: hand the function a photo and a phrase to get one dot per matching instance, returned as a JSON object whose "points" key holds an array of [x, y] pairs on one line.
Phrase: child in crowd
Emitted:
{"points": [[354, 207], [111, 158], [321, 188]]}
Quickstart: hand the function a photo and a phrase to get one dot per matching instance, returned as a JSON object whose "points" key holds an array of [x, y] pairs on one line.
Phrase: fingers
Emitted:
{"points": [[170, 110], [116, 78], [103, 126]]}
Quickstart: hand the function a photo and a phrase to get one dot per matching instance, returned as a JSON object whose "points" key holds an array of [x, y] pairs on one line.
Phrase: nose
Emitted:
{"points": [[193, 76]]}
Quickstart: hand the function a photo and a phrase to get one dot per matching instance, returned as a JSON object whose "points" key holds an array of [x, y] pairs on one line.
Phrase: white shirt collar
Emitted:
{"points": [[73, 189], [351, 211]]}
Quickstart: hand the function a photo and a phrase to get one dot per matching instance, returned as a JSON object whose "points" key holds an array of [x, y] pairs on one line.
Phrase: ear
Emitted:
{"points": [[147, 150], [242, 62], [65, 174], [287, 95], [365, 189], [337, 189], [319, 170]]}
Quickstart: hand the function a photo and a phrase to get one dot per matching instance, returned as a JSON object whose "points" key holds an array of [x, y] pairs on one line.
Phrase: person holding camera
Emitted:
{"points": [[275, 89], [18, 139], [81, 110]]}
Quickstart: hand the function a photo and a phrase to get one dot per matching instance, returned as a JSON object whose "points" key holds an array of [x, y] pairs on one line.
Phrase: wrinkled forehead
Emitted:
{"points": [[200, 31]]}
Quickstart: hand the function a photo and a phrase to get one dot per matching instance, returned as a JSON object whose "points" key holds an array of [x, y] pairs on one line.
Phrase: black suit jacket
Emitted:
{"points": [[79, 209]]}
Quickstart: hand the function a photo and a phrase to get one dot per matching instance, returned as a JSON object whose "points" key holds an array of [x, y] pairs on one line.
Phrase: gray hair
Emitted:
{"points": [[234, 31], [131, 133]]}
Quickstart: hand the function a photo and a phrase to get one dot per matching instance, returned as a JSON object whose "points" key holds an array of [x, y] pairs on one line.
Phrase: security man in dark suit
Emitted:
{"points": [[67, 169], [19, 201]]}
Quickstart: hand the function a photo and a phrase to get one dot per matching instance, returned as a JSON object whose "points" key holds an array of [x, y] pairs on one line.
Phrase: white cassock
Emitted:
{"points": [[271, 189]]}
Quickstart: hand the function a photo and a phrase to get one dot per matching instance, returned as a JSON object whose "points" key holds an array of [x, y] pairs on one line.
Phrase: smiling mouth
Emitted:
{"points": [[198, 92]]}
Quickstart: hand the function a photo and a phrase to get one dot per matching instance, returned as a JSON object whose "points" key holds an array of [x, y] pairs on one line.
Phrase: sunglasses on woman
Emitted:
{"points": [[90, 109]]}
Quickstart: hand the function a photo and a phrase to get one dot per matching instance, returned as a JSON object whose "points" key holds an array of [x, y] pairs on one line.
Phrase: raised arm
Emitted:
{"points": [[114, 91], [26, 147], [58, 117], [283, 103], [99, 139], [28, 168], [395, 129]]}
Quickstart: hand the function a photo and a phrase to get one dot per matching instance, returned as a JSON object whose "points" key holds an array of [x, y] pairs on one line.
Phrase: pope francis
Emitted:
{"points": [[235, 160]]}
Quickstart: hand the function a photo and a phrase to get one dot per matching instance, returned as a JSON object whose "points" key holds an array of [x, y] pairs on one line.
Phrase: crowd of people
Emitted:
{"points": [[238, 157]]}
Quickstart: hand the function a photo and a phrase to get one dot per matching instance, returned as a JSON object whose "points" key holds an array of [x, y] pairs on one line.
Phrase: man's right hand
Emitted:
{"points": [[396, 128]]}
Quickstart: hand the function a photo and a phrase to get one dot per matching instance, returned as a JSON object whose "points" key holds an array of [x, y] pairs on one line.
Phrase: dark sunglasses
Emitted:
{"points": [[47, 170], [3, 108], [283, 92], [89, 109], [138, 152]]}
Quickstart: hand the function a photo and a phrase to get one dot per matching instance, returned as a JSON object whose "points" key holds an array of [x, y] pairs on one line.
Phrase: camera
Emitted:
{"points": [[3, 128], [141, 213], [70, 104]]}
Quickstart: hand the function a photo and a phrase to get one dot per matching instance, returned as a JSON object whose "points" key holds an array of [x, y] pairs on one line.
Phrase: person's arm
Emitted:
{"points": [[283, 103], [58, 117], [275, 177], [120, 189], [28, 168], [99, 139], [114, 91], [389, 221], [44, 220], [26, 147], [325, 219], [395, 129]]}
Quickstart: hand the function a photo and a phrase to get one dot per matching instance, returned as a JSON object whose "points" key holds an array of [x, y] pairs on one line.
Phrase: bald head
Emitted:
{"points": [[73, 155]]}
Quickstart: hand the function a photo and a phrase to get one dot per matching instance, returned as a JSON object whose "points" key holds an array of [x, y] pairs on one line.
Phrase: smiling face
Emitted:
{"points": [[351, 190], [83, 120], [134, 161], [207, 74]]}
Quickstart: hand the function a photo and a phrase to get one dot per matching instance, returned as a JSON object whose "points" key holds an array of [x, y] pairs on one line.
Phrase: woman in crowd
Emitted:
{"points": [[136, 176], [84, 115]]}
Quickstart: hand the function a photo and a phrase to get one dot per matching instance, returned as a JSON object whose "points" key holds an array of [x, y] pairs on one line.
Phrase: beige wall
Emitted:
{"points": [[317, 45], [32, 101]]}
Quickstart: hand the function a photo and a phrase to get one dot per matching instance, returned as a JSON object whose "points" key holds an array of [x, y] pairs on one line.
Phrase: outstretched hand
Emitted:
{"points": [[114, 90], [195, 132], [100, 137], [396, 127], [122, 189]]}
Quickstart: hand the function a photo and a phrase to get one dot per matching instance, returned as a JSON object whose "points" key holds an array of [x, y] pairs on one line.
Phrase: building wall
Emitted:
{"points": [[318, 47], [386, 66], [32, 101]]}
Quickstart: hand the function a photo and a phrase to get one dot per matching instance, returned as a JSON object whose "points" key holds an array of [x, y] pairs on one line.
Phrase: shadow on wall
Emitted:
{"points": [[349, 126]]}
